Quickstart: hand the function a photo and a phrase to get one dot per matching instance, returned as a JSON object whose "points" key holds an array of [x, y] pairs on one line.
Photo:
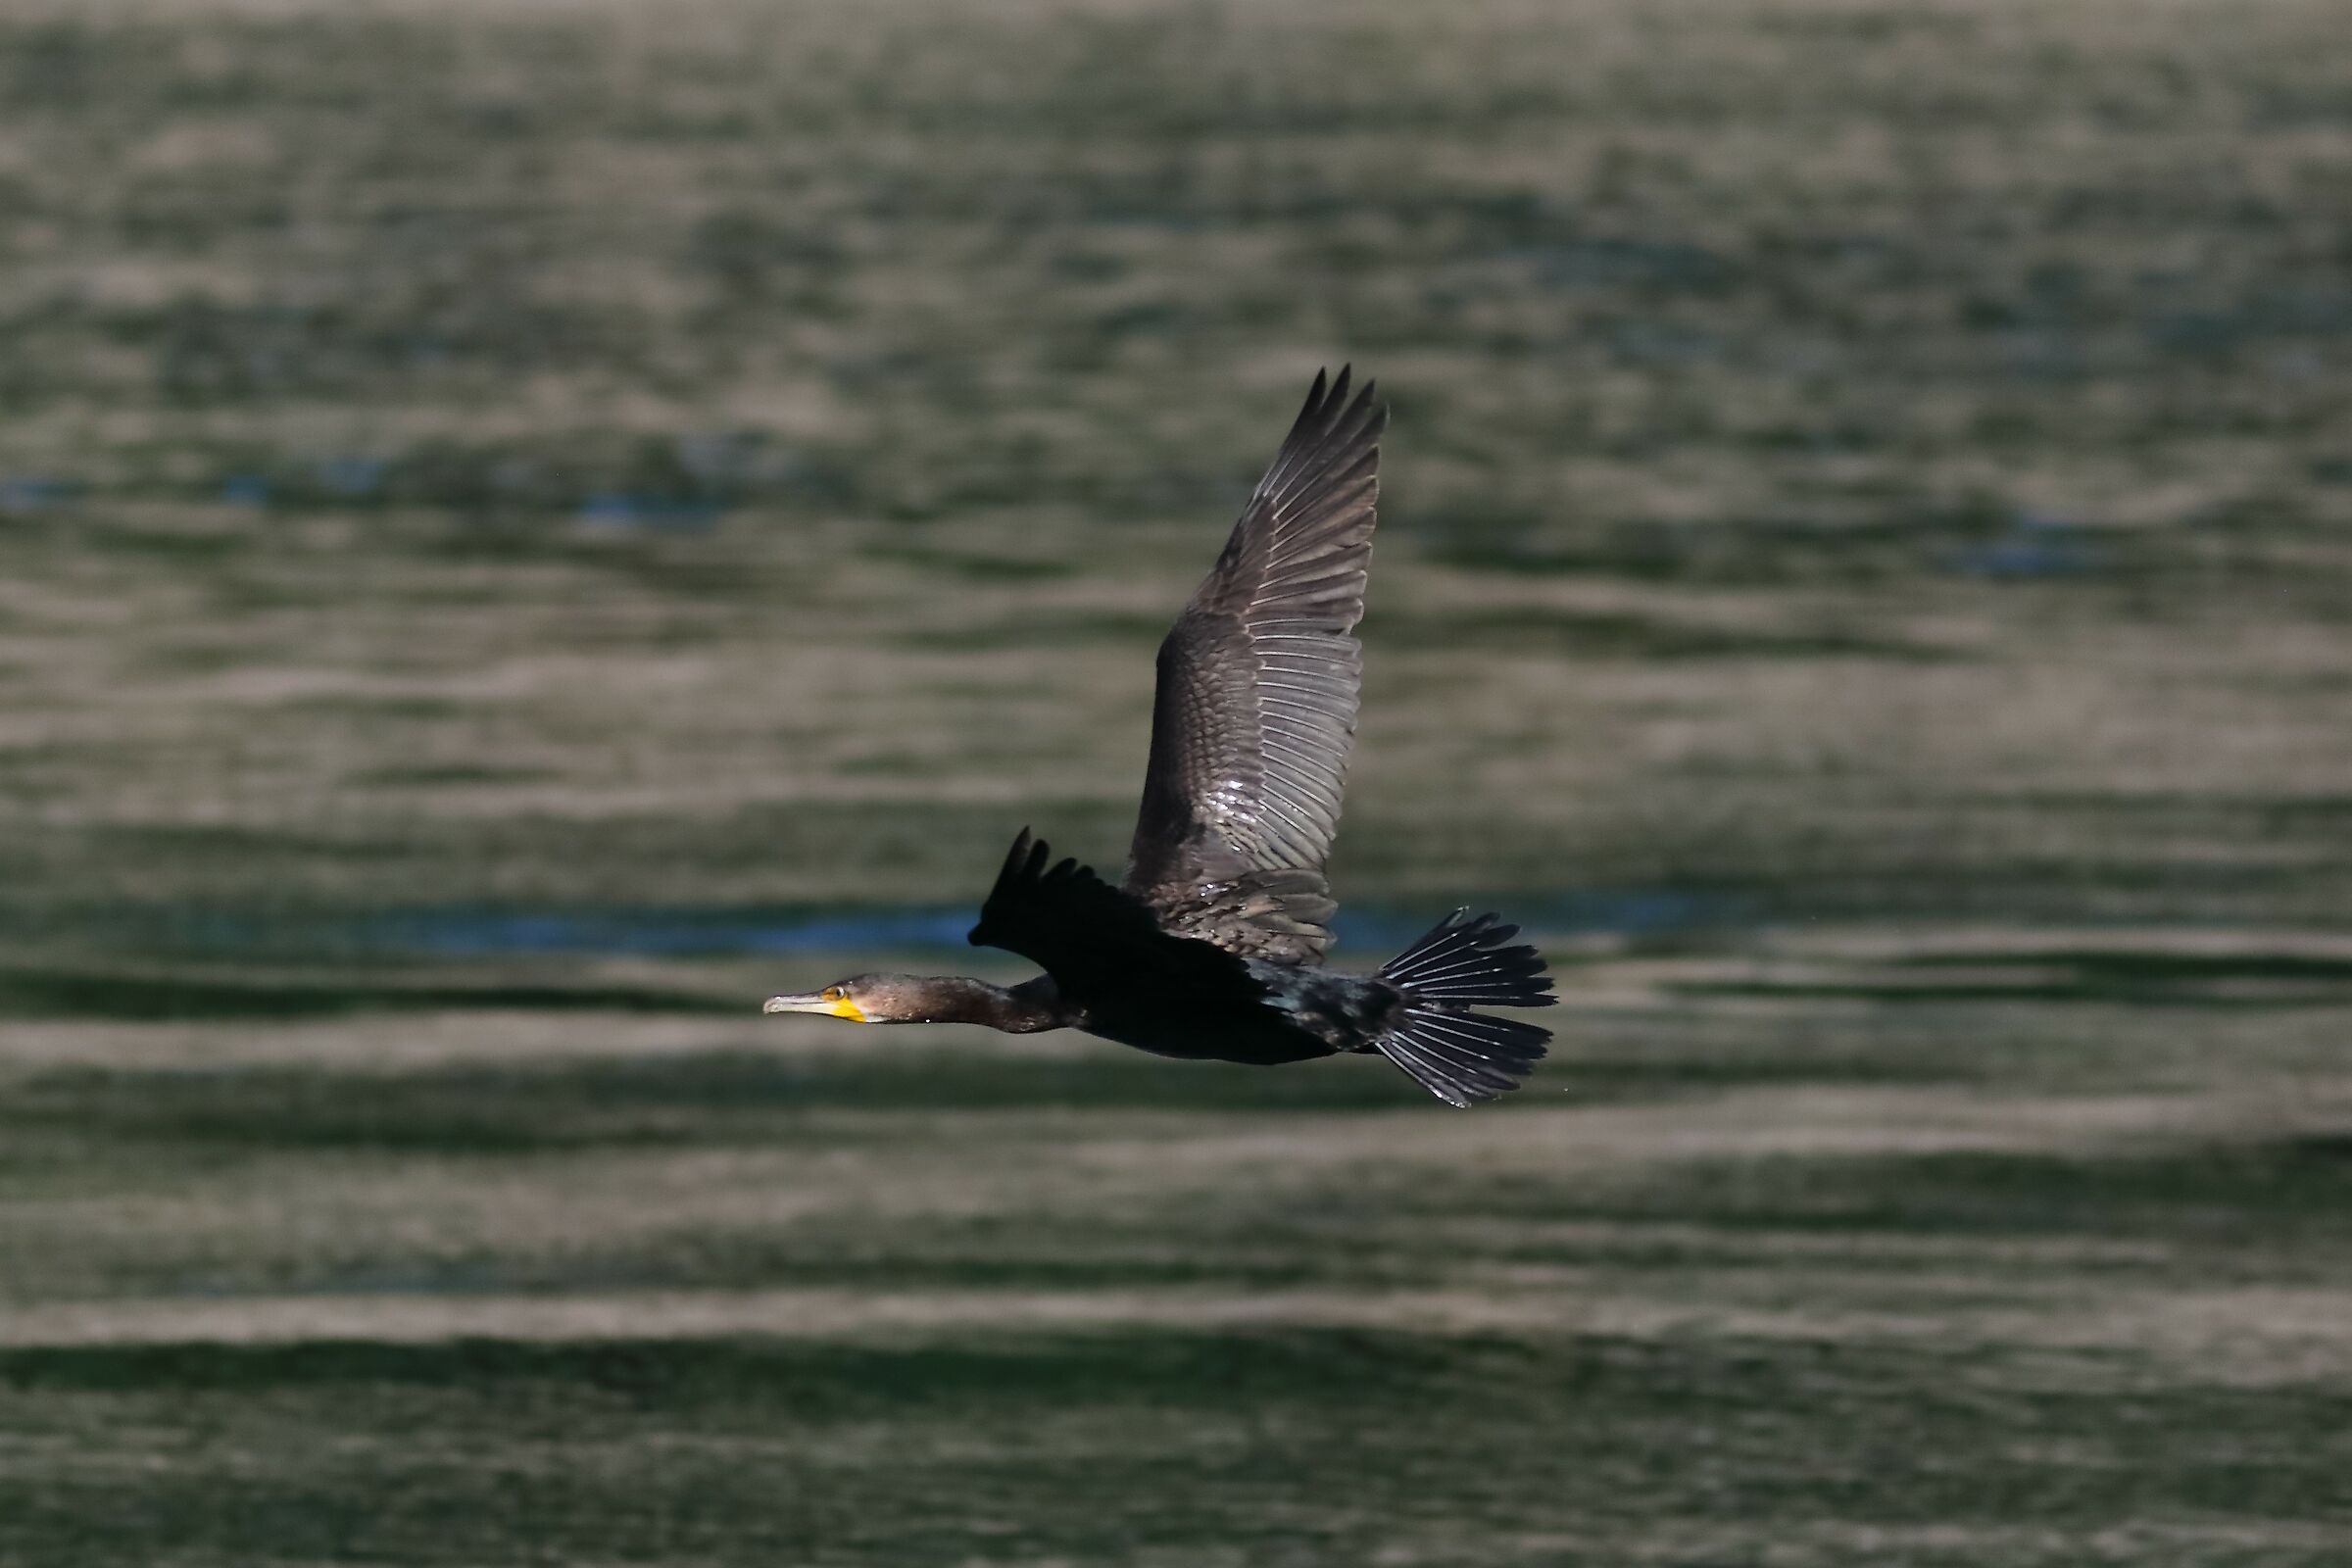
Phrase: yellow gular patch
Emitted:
{"points": [[845, 1008]]}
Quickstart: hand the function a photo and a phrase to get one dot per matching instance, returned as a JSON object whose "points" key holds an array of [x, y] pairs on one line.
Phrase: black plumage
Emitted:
{"points": [[1213, 946]]}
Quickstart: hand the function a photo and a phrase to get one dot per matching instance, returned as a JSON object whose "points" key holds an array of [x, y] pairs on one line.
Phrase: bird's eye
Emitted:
{"points": [[830, 993]]}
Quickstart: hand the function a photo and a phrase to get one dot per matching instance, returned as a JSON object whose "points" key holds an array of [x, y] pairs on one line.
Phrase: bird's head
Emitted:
{"points": [[868, 998]]}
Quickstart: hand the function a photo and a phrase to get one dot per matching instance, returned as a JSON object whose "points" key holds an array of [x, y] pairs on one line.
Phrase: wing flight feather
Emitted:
{"points": [[1256, 702]]}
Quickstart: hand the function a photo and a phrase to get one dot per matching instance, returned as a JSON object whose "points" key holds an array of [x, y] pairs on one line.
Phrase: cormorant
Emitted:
{"points": [[1213, 946]]}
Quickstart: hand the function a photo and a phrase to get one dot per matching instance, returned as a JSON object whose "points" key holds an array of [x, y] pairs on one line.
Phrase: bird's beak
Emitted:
{"points": [[814, 1001]]}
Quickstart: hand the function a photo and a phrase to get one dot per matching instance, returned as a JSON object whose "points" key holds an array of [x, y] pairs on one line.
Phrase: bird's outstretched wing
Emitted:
{"points": [[1096, 939], [1256, 702]]}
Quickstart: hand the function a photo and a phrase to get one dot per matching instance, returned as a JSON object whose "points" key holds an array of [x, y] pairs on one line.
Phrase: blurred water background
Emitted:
{"points": [[525, 526]]}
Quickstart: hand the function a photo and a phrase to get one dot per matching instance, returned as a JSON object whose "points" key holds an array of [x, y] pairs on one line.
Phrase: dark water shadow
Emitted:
{"points": [[2059, 975], [136, 998]]}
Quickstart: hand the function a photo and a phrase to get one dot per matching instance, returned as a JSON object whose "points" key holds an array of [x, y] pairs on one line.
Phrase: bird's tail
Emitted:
{"points": [[1456, 1054]]}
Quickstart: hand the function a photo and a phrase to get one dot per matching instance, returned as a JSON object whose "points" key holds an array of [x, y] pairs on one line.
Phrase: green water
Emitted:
{"points": [[513, 517]]}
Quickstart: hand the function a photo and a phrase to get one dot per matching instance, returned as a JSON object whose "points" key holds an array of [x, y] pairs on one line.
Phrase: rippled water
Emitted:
{"points": [[513, 525]]}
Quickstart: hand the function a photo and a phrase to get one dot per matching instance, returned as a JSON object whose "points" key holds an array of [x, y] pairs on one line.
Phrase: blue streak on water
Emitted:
{"points": [[351, 475], [22, 494], [477, 932], [661, 933], [621, 511], [2035, 546]]}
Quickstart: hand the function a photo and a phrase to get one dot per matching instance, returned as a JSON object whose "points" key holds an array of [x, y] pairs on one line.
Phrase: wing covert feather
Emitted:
{"points": [[1096, 939]]}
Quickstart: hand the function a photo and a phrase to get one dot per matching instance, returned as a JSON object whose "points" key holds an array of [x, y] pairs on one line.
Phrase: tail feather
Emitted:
{"points": [[1465, 962], [1463, 1058], [1459, 1056]]}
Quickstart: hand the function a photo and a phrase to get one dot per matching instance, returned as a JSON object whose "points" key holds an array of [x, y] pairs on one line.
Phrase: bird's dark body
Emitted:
{"points": [[1211, 947], [1300, 1014]]}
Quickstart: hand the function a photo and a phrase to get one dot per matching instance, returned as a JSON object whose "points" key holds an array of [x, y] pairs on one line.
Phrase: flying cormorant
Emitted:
{"points": [[1213, 946]]}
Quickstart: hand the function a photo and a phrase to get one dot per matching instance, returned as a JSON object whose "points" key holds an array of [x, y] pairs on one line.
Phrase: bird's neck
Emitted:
{"points": [[1022, 1009]]}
